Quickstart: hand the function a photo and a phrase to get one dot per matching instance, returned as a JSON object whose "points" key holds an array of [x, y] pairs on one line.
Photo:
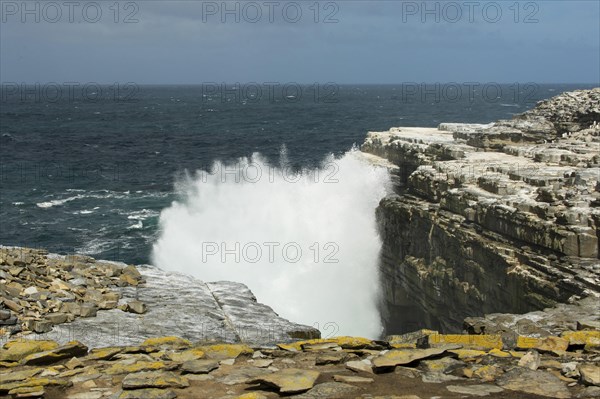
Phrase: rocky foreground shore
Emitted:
{"points": [[423, 364], [103, 303]]}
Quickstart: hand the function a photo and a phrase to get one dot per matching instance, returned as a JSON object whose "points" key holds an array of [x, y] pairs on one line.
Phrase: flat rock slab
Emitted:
{"points": [[28, 392], [329, 390], [13, 376], [154, 379], [150, 393], [438, 378], [72, 349], [400, 357], [262, 363], [290, 380], [17, 350], [359, 365], [331, 358], [86, 395], [320, 346], [474, 390], [202, 366], [190, 308], [536, 382], [590, 374], [243, 375], [352, 379]]}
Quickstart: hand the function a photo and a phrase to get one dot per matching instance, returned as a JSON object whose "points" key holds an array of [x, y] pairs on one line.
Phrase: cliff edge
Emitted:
{"points": [[501, 217]]}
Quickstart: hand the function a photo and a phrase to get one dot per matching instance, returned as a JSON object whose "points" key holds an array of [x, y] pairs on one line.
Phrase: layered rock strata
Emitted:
{"points": [[491, 218]]}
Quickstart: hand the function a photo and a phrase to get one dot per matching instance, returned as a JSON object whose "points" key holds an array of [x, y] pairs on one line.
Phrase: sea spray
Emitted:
{"points": [[304, 242]]}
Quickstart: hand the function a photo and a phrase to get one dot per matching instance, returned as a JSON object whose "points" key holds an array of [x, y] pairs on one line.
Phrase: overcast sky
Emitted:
{"points": [[173, 42]]}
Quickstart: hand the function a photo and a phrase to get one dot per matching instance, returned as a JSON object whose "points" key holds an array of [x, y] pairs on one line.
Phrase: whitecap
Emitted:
{"points": [[50, 204], [139, 225]]}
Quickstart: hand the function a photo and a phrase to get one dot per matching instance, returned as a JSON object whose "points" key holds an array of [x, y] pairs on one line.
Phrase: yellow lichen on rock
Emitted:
{"points": [[103, 353], [516, 354], [225, 351], [580, 337], [498, 353], [121, 368], [252, 395], [548, 344], [409, 340], [488, 373], [19, 375], [34, 382], [592, 344], [297, 346], [167, 342], [27, 392], [477, 342], [352, 342], [14, 351], [344, 342], [190, 354]]}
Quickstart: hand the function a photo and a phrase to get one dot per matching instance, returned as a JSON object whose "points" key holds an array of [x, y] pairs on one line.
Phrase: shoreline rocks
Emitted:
{"points": [[102, 303], [172, 367], [41, 290]]}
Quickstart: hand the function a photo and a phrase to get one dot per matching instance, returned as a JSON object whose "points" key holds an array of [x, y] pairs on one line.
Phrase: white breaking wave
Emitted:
{"points": [[136, 226], [50, 204], [101, 194], [306, 244], [142, 215]]}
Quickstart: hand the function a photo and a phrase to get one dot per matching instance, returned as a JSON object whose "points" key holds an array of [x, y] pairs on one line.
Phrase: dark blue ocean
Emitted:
{"points": [[90, 171]]}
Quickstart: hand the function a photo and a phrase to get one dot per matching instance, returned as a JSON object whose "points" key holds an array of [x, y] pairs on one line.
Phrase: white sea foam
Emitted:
{"points": [[142, 214], [329, 213], [83, 212], [100, 194], [136, 226], [58, 202]]}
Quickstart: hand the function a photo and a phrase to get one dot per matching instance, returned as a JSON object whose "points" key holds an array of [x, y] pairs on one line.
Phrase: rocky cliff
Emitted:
{"points": [[491, 218]]}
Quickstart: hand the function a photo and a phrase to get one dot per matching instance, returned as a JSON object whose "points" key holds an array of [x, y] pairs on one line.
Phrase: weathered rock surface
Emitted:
{"points": [[491, 218], [162, 367], [290, 380], [154, 379], [103, 303], [535, 382]]}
